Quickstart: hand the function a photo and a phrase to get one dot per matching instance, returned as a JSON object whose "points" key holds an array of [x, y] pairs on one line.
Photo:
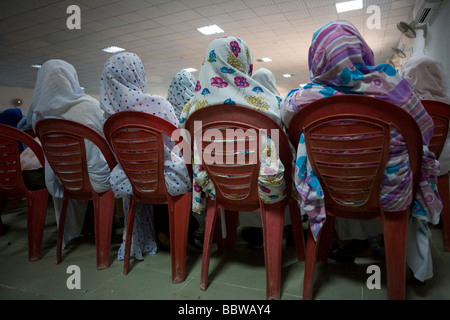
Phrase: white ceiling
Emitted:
{"points": [[163, 33]]}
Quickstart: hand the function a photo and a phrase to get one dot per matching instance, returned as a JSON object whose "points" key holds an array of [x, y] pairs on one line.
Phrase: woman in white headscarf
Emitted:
{"points": [[123, 86], [181, 90], [58, 94], [226, 78], [428, 80]]}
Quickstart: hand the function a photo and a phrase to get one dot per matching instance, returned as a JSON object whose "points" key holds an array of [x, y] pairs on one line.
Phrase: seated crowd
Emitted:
{"points": [[340, 62]]}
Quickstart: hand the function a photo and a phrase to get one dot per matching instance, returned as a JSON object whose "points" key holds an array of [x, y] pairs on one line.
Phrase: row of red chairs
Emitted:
{"points": [[134, 140]]}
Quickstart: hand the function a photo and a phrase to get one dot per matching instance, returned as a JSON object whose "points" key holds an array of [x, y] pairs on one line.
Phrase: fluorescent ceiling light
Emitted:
{"points": [[190, 69], [212, 29], [287, 75], [37, 66], [113, 49], [265, 60], [349, 5]]}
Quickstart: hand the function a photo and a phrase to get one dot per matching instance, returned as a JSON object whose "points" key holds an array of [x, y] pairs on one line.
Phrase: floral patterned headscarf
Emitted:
{"points": [[225, 78]]}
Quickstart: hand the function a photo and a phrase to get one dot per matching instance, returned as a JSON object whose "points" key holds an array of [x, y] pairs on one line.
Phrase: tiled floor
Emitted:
{"points": [[236, 276]]}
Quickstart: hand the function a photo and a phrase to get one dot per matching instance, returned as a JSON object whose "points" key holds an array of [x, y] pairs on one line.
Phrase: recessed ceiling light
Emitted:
{"points": [[212, 29], [113, 49], [37, 66], [288, 75], [190, 69], [349, 5], [264, 59]]}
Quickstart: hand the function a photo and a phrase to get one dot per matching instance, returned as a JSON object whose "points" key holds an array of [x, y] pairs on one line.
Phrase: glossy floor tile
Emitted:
{"points": [[239, 275]]}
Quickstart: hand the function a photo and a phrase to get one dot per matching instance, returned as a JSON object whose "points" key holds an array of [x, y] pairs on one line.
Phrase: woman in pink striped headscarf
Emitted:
{"points": [[341, 62]]}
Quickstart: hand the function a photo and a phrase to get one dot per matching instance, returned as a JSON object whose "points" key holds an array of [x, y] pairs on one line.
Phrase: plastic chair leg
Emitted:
{"points": [[297, 230], [61, 223], [395, 234], [314, 248], [2, 228], [36, 211], [130, 224], [211, 219], [179, 215], [272, 221], [326, 239], [443, 189], [231, 223], [103, 218]]}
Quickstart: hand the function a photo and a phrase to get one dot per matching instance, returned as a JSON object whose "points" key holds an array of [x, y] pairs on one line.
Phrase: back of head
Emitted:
{"points": [[426, 75], [336, 46], [267, 79]]}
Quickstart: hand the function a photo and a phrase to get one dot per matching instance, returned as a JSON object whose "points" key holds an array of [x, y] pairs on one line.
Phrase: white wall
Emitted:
{"points": [[7, 94], [435, 41]]}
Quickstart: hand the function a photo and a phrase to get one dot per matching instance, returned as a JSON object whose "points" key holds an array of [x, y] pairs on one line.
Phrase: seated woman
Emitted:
{"points": [[428, 80], [181, 90], [225, 78], [341, 62], [58, 94], [124, 75]]}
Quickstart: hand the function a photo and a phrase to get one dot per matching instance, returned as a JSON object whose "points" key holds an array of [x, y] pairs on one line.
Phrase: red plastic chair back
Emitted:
{"points": [[12, 184], [347, 140], [63, 142], [228, 129], [440, 113], [137, 140], [11, 181]]}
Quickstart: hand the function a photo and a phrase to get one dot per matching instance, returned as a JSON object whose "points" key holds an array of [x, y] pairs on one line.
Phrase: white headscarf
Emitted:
{"points": [[267, 79], [181, 90], [226, 78], [58, 94], [123, 86], [426, 76]]}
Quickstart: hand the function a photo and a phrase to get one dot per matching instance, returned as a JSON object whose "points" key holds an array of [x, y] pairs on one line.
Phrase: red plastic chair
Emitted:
{"points": [[63, 142], [440, 113], [350, 170], [12, 185], [137, 141], [237, 187]]}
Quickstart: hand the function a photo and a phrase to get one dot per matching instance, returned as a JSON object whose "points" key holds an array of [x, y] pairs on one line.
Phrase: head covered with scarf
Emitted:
{"points": [[226, 78], [58, 94], [123, 86], [181, 90], [426, 75], [341, 62]]}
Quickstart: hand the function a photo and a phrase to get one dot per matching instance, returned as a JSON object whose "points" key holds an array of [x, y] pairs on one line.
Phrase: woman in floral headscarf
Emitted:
{"points": [[181, 90], [123, 86], [341, 62], [225, 78], [426, 75]]}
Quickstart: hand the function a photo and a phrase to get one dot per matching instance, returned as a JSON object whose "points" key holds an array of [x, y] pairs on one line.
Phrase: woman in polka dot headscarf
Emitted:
{"points": [[123, 86]]}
